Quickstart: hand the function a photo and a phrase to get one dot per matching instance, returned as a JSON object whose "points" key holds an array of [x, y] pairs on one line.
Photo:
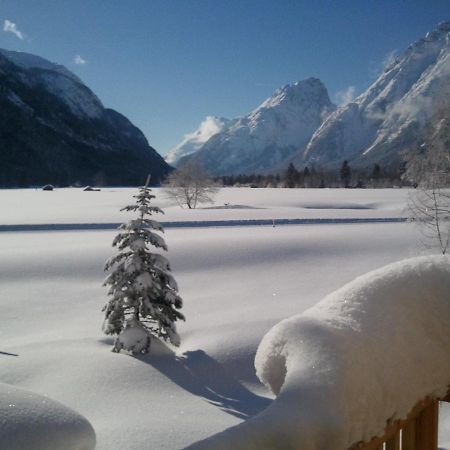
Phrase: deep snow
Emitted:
{"points": [[236, 284], [362, 356], [31, 421], [77, 206]]}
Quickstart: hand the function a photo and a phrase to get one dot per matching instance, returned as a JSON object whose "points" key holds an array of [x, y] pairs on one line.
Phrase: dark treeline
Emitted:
{"points": [[309, 177]]}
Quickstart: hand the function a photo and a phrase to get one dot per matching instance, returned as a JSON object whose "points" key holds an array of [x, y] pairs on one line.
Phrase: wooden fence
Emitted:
{"points": [[419, 431]]}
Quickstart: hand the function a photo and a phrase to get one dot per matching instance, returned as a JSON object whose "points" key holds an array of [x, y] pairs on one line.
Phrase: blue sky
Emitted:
{"points": [[166, 64]]}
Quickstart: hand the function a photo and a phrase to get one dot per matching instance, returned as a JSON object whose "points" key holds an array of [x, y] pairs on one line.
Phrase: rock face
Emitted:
{"points": [[53, 129], [268, 135], [392, 113]]}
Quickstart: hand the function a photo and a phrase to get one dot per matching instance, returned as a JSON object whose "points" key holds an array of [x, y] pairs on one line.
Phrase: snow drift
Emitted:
{"points": [[31, 421], [365, 354]]}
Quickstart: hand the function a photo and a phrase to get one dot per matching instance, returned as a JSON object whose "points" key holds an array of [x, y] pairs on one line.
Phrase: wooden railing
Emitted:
{"points": [[419, 431]]}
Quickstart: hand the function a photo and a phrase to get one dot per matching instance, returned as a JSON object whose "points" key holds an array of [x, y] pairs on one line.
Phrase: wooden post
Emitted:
{"points": [[419, 431], [427, 427], [409, 436], [394, 442]]}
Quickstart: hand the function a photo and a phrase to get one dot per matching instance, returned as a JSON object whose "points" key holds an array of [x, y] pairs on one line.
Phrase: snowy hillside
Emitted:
{"points": [[29, 61], [268, 135], [54, 129], [389, 116], [192, 142], [60, 82]]}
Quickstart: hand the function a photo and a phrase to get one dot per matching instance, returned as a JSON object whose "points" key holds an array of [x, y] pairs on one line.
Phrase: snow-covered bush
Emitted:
{"points": [[144, 298], [364, 355]]}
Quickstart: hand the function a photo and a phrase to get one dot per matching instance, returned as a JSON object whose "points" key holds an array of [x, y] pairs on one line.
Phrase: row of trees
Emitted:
{"points": [[191, 185], [310, 177]]}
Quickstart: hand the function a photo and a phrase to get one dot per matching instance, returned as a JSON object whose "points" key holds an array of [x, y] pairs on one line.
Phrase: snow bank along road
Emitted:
{"points": [[199, 224]]}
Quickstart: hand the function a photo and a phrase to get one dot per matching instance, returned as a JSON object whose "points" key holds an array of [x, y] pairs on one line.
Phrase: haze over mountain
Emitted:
{"points": [[53, 129], [269, 134]]}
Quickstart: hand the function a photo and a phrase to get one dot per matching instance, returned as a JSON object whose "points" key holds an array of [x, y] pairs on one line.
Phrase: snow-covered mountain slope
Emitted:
{"points": [[54, 129], [272, 132], [193, 141], [59, 81], [391, 114], [30, 61]]}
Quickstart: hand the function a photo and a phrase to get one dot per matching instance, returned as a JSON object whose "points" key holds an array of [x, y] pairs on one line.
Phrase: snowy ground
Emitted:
{"points": [[237, 282], [77, 206]]}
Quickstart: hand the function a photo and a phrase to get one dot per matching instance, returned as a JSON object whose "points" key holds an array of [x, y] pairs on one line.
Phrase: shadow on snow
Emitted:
{"points": [[201, 375]]}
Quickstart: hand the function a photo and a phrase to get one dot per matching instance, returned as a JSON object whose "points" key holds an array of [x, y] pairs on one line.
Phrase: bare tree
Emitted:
{"points": [[429, 170], [190, 185]]}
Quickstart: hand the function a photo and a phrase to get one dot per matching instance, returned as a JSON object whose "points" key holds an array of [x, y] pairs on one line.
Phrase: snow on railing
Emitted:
{"points": [[355, 365], [419, 431]]}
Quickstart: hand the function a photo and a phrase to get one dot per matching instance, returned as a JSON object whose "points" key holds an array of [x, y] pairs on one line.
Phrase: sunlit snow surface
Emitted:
{"points": [[78, 206], [364, 354], [31, 421], [236, 282]]}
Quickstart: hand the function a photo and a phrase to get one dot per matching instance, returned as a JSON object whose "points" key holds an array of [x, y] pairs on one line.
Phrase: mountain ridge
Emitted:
{"points": [[375, 128], [54, 129], [390, 115], [268, 134]]}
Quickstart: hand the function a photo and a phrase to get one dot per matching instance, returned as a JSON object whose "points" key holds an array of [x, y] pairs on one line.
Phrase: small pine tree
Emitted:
{"points": [[143, 294], [346, 174], [376, 172], [291, 176]]}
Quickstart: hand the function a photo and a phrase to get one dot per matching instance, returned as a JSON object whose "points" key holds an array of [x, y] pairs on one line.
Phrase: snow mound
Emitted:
{"points": [[31, 421], [365, 354], [134, 338]]}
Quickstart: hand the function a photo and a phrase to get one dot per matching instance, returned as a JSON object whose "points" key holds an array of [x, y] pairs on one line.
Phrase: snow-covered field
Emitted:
{"points": [[236, 282], [34, 206]]}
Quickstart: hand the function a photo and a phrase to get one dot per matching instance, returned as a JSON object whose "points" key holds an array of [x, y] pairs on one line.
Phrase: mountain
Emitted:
{"points": [[192, 142], [268, 135], [391, 115], [53, 129]]}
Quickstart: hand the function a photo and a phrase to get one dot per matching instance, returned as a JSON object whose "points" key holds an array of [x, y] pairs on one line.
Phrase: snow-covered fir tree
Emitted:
{"points": [[143, 295]]}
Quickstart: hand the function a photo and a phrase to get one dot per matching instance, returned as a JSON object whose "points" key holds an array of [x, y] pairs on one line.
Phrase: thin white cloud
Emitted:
{"points": [[378, 67], [345, 96], [389, 59], [79, 60], [11, 27]]}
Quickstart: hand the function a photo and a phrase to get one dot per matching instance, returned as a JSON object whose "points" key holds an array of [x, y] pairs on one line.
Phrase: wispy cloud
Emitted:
{"points": [[389, 59], [345, 96], [377, 68], [79, 60], [11, 27]]}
